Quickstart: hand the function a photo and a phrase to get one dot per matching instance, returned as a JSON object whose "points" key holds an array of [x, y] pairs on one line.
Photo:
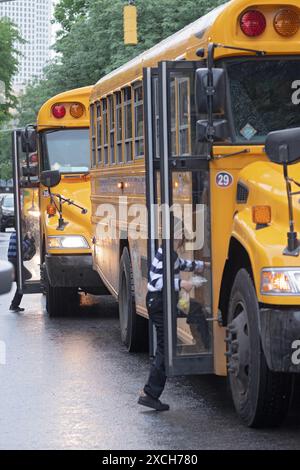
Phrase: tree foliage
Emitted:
{"points": [[90, 43], [8, 66], [9, 37], [67, 12]]}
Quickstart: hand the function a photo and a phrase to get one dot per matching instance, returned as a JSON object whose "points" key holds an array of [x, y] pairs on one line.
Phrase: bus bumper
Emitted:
{"points": [[280, 336], [73, 271]]}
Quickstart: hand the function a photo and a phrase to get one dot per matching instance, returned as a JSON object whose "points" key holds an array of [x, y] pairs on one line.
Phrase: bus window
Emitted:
{"points": [[156, 117], [184, 116], [105, 130], [139, 122], [92, 110], [112, 129], [128, 124], [173, 118], [99, 148], [66, 150], [119, 126]]}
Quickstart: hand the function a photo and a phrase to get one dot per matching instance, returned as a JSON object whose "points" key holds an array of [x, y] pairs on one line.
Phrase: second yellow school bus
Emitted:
{"points": [[187, 122], [66, 240]]}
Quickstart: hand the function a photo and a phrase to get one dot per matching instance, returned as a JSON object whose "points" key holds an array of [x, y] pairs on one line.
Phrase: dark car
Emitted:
{"points": [[7, 212]]}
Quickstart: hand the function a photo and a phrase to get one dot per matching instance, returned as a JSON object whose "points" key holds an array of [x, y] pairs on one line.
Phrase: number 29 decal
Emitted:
{"points": [[224, 179]]}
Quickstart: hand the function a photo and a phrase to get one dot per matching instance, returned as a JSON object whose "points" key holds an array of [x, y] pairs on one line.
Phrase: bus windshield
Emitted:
{"points": [[66, 150], [265, 97]]}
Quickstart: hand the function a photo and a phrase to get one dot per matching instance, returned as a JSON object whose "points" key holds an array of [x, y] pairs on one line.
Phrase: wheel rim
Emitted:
{"points": [[239, 349]]}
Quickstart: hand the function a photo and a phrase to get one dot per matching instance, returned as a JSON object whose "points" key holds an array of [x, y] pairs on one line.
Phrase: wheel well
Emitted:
{"points": [[123, 244], [238, 258]]}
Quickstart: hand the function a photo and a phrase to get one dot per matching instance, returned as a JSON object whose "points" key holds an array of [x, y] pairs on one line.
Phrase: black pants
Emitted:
{"points": [[157, 377], [199, 328], [27, 275], [17, 299]]}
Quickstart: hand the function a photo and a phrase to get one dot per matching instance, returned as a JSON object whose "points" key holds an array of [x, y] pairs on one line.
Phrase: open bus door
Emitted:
{"points": [[178, 176], [27, 209]]}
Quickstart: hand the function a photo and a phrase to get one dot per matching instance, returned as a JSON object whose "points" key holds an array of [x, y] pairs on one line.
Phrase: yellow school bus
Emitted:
{"points": [[204, 121], [57, 212]]}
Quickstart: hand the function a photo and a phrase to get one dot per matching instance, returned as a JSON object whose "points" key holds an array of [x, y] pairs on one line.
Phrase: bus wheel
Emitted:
{"points": [[134, 328], [60, 300], [261, 397]]}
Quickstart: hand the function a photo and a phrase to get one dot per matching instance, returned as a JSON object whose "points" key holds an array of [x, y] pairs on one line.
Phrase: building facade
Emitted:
{"points": [[33, 18]]}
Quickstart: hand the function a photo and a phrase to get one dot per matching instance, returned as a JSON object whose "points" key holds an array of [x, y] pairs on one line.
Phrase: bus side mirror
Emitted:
{"points": [[283, 147], [50, 178], [220, 130], [218, 90], [29, 140]]}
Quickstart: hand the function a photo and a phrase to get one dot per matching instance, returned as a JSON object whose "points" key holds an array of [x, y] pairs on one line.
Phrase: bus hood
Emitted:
{"points": [[266, 186], [76, 222]]}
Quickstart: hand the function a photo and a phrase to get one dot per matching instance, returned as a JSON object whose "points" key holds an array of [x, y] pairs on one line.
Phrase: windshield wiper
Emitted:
{"points": [[240, 152], [54, 129], [243, 49]]}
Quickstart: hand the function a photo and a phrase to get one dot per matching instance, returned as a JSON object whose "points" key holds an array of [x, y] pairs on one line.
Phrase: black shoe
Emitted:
{"points": [[16, 309], [154, 403]]}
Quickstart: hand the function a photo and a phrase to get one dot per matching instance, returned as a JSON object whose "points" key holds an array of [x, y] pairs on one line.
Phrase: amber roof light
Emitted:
{"points": [[287, 22]]}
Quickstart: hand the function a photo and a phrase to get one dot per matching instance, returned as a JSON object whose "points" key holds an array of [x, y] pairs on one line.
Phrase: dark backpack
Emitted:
{"points": [[30, 250]]}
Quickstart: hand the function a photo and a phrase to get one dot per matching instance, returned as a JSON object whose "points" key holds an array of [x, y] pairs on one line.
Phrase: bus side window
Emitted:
{"points": [[105, 130], [112, 129], [173, 117], [138, 121], [128, 124], [184, 116], [119, 127], [93, 136], [156, 117], [99, 127]]}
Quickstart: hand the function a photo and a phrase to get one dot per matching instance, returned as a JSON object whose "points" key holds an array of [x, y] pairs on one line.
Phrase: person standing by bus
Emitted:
{"points": [[154, 301], [28, 249]]}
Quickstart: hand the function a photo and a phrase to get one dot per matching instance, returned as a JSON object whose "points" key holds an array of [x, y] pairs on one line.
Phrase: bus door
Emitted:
{"points": [[178, 182], [27, 210]]}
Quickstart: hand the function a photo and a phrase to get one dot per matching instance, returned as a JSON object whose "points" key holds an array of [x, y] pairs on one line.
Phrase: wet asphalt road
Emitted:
{"points": [[70, 384]]}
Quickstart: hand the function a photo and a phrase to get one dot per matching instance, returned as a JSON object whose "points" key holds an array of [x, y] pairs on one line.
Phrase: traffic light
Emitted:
{"points": [[130, 24]]}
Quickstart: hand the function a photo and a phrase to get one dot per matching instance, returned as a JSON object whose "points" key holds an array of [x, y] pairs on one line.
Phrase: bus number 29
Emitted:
{"points": [[224, 179]]}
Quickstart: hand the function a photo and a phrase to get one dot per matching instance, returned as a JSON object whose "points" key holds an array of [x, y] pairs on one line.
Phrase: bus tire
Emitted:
{"points": [[134, 328], [261, 397], [60, 301]]}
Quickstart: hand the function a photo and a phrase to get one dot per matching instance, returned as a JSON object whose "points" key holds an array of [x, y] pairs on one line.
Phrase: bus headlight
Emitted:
{"points": [[68, 242], [279, 281]]}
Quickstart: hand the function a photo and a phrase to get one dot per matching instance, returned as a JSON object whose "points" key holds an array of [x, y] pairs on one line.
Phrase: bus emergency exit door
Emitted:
{"points": [[178, 196]]}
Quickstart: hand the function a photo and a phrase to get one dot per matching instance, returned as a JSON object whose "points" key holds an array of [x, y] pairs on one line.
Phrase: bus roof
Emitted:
{"points": [[221, 25], [46, 118]]}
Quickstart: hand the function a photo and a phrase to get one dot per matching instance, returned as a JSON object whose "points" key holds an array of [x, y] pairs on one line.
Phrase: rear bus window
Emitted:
{"points": [[112, 129], [99, 127], [105, 130], [119, 127]]}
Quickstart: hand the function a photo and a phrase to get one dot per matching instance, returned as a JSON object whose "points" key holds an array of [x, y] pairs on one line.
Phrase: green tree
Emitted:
{"points": [[91, 45], [67, 12], [5, 154], [9, 36]]}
